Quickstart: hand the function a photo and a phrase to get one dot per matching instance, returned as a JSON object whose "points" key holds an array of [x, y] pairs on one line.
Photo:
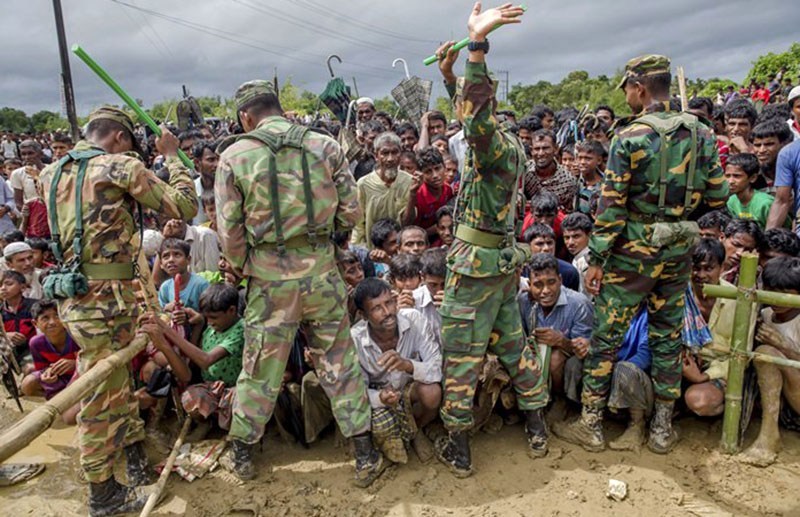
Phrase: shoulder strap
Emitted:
{"points": [[82, 157]]}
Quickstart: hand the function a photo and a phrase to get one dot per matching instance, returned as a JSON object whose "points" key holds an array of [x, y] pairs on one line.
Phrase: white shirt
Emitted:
{"points": [[581, 263], [9, 148], [205, 248], [201, 216], [423, 302], [414, 344], [458, 148], [21, 180]]}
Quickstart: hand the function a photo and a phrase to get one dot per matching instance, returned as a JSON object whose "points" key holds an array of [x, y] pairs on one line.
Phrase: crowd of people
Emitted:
{"points": [[395, 264]]}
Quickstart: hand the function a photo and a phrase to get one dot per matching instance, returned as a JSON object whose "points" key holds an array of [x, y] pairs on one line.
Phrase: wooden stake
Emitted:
{"points": [[682, 89], [740, 345], [162, 479]]}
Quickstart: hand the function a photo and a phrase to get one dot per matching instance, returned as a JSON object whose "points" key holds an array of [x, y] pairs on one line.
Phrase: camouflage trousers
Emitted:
{"points": [[626, 283], [109, 416], [480, 314], [275, 311]]}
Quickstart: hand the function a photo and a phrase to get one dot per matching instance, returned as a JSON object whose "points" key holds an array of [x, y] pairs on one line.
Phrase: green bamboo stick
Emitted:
{"points": [[765, 297], [132, 104], [759, 357], [738, 361], [463, 43]]}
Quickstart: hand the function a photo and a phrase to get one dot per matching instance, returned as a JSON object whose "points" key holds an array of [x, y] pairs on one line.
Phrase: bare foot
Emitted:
{"points": [[631, 440], [759, 455]]}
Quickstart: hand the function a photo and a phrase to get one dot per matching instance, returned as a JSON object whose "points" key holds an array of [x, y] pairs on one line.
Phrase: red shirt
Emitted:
{"points": [[37, 220], [762, 94], [427, 204]]}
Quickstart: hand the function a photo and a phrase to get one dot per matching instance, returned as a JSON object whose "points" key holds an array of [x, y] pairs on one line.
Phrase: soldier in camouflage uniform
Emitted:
{"points": [[102, 321], [281, 191], [480, 310], [662, 165]]}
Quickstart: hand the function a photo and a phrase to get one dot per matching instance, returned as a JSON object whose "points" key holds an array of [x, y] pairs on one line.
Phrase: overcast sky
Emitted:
{"points": [[152, 56]]}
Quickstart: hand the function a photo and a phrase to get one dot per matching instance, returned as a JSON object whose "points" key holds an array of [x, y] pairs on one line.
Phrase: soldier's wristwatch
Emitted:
{"points": [[475, 46]]}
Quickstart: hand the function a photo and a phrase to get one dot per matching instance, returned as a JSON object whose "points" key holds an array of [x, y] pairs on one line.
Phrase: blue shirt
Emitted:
{"points": [[570, 277], [787, 172], [572, 314], [635, 348], [190, 293]]}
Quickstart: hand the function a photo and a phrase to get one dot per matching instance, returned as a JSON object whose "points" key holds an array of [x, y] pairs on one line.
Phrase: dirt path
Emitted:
{"points": [[694, 480]]}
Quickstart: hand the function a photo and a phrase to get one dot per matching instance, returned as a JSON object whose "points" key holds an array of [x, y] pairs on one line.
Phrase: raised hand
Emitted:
{"points": [[481, 23]]}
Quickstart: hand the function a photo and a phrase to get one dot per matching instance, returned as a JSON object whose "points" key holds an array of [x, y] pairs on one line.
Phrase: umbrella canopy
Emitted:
{"points": [[337, 94], [413, 94]]}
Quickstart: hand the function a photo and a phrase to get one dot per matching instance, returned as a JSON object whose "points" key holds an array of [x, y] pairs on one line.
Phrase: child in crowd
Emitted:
{"points": [[428, 296], [779, 242], [560, 318], [434, 193], [352, 273], [210, 209], [408, 162], [441, 144], [779, 337], [745, 201], [444, 227], [42, 256], [542, 239], [219, 355], [568, 160], [577, 228], [17, 317], [712, 224], [404, 276], [741, 236], [451, 172], [383, 236], [590, 157], [175, 261], [54, 353]]}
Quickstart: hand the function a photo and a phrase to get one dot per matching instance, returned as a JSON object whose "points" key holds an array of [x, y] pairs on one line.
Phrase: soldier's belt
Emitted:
{"points": [[479, 237], [648, 218], [121, 271], [299, 241]]}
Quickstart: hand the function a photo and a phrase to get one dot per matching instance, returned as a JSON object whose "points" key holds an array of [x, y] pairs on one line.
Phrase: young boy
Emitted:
{"points": [[741, 235], [444, 227], [428, 297], [175, 260], [559, 318], [778, 242], [54, 353], [542, 239], [383, 236], [219, 355], [404, 276], [577, 228], [210, 209], [17, 317], [712, 224], [779, 336], [353, 273], [590, 157], [434, 192], [41, 253], [746, 202]]}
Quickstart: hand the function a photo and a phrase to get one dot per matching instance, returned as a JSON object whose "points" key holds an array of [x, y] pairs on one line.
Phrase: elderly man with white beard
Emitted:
{"points": [[386, 192]]}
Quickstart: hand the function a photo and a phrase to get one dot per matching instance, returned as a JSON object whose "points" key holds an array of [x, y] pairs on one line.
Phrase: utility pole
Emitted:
{"points": [[506, 87], [66, 75]]}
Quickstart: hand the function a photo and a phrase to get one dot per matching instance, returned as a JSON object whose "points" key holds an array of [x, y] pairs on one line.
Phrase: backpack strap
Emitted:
{"points": [[82, 157]]}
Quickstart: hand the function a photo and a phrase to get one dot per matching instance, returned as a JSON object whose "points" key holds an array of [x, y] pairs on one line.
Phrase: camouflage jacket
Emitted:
{"points": [[495, 162], [630, 188], [245, 221], [113, 182]]}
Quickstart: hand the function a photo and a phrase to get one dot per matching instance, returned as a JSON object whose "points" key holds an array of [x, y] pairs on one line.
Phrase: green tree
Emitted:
{"points": [[575, 90], [772, 63], [48, 121], [14, 120]]}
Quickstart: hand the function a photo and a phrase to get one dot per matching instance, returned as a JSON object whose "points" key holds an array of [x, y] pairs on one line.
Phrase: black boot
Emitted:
{"points": [[242, 457], [111, 498], [137, 467], [453, 451], [662, 436], [536, 429], [369, 461]]}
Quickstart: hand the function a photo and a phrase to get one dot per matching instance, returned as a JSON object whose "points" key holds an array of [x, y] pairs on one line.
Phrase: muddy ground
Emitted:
{"points": [[695, 479]]}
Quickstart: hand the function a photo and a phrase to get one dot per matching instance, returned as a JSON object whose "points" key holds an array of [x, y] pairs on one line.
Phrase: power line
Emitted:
{"points": [[144, 33], [234, 38]]}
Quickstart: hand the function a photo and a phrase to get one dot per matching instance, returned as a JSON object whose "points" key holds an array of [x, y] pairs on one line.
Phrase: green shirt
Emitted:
{"points": [[228, 368], [757, 209]]}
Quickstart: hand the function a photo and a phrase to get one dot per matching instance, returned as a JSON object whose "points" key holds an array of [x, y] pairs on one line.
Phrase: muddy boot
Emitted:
{"points": [[111, 498], [587, 431], [453, 451], [634, 435], [536, 429], [136, 465], [369, 461], [662, 436], [242, 459]]}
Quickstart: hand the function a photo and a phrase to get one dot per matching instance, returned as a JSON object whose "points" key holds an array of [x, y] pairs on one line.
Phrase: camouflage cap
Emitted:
{"points": [[250, 90], [649, 64], [122, 118]]}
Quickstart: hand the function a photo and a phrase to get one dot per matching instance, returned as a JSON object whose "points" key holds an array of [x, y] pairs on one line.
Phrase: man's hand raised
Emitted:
{"points": [[481, 23]]}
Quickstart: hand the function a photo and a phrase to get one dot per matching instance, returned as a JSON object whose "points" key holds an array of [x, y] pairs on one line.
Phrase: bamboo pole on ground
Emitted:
{"points": [[745, 297], [40, 419], [152, 500]]}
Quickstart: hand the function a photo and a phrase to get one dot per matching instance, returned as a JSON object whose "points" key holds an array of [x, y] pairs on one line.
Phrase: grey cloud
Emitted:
{"points": [[152, 57]]}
